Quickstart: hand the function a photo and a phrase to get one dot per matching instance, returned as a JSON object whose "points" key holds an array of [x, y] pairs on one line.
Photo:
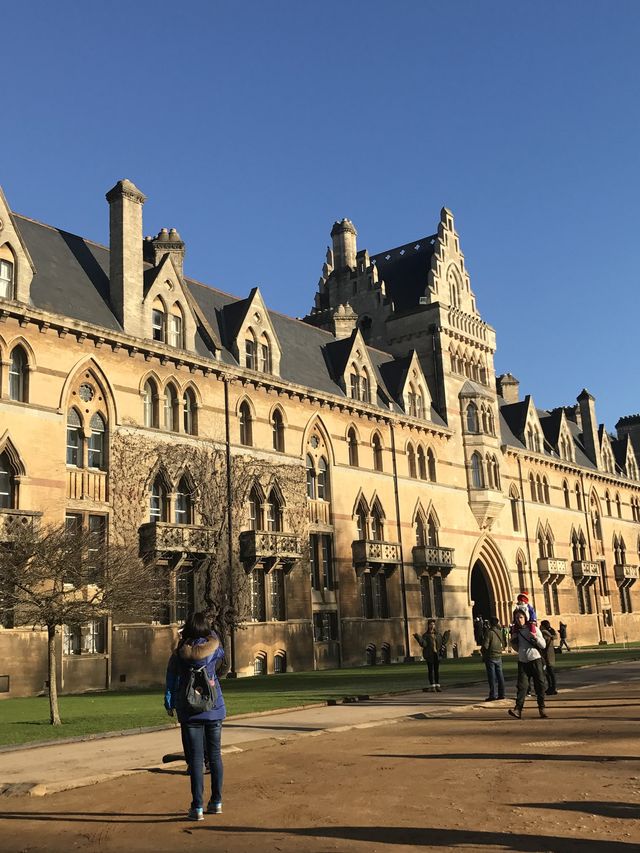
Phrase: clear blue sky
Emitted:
{"points": [[253, 126]]}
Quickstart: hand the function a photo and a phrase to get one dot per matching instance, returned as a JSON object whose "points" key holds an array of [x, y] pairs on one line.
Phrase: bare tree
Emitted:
{"points": [[55, 576]]}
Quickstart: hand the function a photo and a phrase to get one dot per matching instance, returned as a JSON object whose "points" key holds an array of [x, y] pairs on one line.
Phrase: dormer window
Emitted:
{"points": [[250, 354], [158, 324], [174, 338], [6, 280], [264, 355]]}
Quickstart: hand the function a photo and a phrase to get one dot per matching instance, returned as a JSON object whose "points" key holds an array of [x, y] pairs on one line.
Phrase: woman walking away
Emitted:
{"points": [[528, 646], [549, 653], [193, 692], [431, 642]]}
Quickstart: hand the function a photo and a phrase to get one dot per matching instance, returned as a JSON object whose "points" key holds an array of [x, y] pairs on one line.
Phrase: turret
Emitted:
{"points": [[345, 250]]}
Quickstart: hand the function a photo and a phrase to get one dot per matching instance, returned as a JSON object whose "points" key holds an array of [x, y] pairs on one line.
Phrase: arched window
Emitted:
{"points": [[277, 431], [472, 418], [323, 479], [311, 478], [274, 512], [354, 384], [250, 355], [175, 328], [377, 452], [514, 499], [550, 548], [432, 532], [431, 465], [264, 355], [6, 279], [365, 384], [545, 489], [618, 506], [532, 486], [496, 472], [159, 501], [422, 463], [575, 547], [246, 425], [74, 438], [539, 489], [189, 412], [607, 502], [522, 578], [255, 510], [578, 491], [158, 321], [97, 445], [170, 408], [184, 502], [421, 533], [477, 475], [18, 375], [411, 461], [361, 521], [7, 483], [542, 545], [150, 403], [377, 525], [567, 494], [353, 448]]}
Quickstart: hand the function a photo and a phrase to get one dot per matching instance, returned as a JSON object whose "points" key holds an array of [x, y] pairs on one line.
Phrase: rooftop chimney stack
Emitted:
{"points": [[508, 387], [344, 236], [125, 255], [344, 321], [590, 441], [169, 242]]}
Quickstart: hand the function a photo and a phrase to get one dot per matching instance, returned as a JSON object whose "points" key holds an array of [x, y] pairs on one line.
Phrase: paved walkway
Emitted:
{"points": [[48, 769]]}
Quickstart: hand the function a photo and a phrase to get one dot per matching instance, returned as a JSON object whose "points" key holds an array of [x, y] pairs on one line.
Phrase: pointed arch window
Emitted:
{"points": [[150, 403], [514, 499], [432, 532], [184, 502], [532, 486], [539, 489], [7, 483], [277, 431], [567, 494], [274, 512], [365, 386], [353, 448], [311, 478], [18, 375], [421, 531], [255, 510], [250, 359], [159, 501], [376, 446], [607, 502], [431, 465], [96, 455], [6, 279], [189, 412], [74, 438], [361, 521], [323, 479], [618, 506], [542, 545], [377, 524], [158, 321], [411, 461], [264, 355], [472, 418], [578, 492], [422, 463], [175, 328], [545, 490], [477, 474], [246, 425], [170, 408]]}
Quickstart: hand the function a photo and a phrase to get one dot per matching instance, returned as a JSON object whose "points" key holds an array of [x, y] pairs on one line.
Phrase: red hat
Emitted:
{"points": [[524, 596]]}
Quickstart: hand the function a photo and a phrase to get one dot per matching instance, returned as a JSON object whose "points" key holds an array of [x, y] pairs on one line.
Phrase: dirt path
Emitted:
{"points": [[472, 780]]}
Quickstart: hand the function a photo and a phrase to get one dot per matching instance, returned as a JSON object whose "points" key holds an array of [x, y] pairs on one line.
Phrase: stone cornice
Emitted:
{"points": [[571, 468]]}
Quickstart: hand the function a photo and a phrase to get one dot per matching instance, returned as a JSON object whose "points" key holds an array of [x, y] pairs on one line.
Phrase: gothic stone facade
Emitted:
{"points": [[391, 475]]}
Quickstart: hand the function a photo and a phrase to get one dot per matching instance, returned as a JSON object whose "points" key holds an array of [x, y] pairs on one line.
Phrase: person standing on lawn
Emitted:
{"points": [[431, 643], [550, 637], [197, 655], [529, 647], [493, 645], [563, 637]]}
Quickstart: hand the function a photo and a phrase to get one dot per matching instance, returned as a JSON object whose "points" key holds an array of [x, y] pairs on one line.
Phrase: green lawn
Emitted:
{"points": [[26, 720]]}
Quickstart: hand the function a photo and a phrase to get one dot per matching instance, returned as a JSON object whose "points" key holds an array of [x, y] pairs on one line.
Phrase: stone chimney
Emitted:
{"points": [[508, 387], [169, 242], [344, 321], [590, 441], [125, 255], [630, 425], [345, 250]]}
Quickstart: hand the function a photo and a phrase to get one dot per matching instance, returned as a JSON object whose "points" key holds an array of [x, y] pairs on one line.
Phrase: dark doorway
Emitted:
{"points": [[481, 596]]}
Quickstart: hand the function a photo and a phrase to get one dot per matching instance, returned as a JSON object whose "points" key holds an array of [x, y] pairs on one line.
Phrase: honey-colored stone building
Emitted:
{"points": [[380, 472]]}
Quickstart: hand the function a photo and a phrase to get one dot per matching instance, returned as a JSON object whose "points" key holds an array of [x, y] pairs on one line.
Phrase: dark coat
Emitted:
{"points": [[550, 638]]}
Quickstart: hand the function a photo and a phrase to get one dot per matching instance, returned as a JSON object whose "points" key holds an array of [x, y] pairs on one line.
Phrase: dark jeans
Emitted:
{"points": [[433, 668], [550, 672], [532, 669], [563, 642], [495, 677], [200, 735]]}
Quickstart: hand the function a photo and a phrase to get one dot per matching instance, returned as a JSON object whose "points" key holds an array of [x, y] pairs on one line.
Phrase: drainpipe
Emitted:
{"points": [[526, 530], [232, 632], [403, 589]]}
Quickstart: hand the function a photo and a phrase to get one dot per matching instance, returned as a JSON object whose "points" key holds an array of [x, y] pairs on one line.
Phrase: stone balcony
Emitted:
{"points": [[624, 572], [319, 512], [13, 520], [87, 484], [552, 567], [433, 559], [585, 569], [372, 555], [269, 550], [162, 537]]}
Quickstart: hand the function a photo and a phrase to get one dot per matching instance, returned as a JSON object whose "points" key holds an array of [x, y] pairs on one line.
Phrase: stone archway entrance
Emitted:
{"points": [[489, 584], [482, 597]]}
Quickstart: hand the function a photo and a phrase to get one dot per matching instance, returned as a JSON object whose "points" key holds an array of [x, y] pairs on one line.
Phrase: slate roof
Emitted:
{"points": [[405, 270]]}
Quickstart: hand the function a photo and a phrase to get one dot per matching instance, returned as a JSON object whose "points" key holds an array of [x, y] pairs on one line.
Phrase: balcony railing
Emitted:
{"points": [[86, 485], [372, 554], [433, 558], [269, 550], [585, 569], [13, 520], [318, 511], [159, 536], [552, 566], [624, 572]]}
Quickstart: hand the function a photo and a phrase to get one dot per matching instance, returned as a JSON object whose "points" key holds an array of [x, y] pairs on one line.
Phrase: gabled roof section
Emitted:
{"points": [[405, 271], [515, 416], [473, 389], [10, 233], [551, 423]]}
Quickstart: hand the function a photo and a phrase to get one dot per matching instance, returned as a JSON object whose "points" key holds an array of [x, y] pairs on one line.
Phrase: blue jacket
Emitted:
{"points": [[202, 652]]}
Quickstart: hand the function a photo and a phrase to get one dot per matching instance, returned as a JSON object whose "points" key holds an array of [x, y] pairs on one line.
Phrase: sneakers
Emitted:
{"points": [[214, 808], [543, 713], [515, 712], [195, 814]]}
